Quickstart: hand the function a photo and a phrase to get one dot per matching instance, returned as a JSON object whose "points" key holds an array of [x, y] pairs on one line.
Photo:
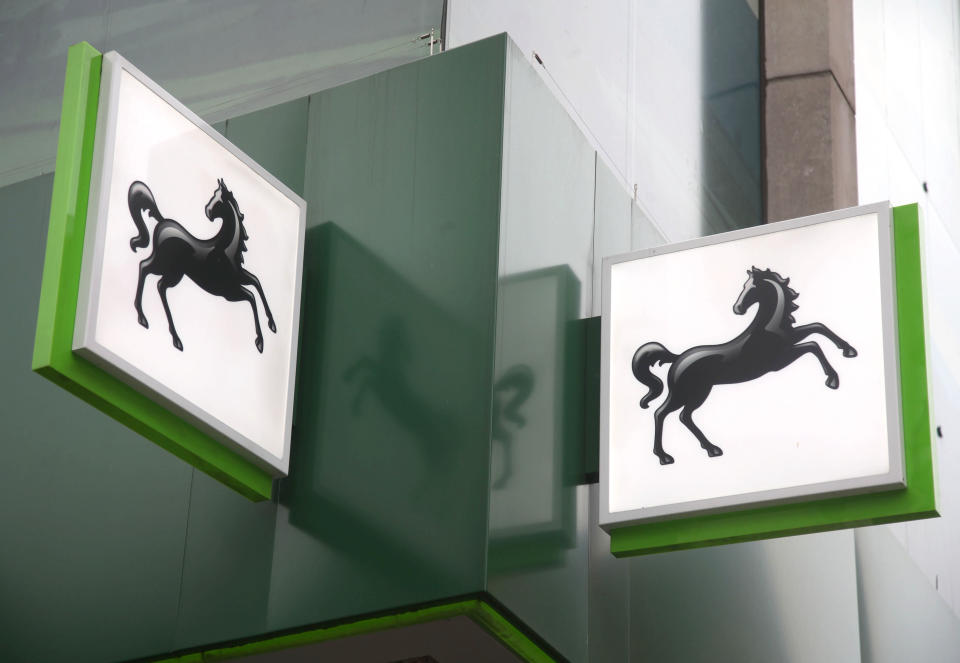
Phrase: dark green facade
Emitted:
{"points": [[116, 550]]}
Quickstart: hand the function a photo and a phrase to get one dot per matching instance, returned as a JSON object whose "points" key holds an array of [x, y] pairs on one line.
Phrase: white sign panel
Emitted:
{"points": [[190, 289], [757, 366]]}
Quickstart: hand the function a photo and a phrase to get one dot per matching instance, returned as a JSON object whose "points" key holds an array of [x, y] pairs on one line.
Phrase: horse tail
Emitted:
{"points": [[643, 359], [139, 198]]}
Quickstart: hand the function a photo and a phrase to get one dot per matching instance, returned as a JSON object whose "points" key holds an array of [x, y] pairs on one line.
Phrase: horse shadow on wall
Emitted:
{"points": [[385, 375], [538, 414], [510, 394], [385, 449]]}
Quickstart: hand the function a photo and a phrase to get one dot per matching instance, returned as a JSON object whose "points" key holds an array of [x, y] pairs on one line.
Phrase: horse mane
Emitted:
{"points": [[784, 283], [228, 197]]}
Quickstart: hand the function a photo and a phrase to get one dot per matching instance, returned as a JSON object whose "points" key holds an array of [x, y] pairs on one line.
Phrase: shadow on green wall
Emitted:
{"points": [[538, 425], [377, 465]]}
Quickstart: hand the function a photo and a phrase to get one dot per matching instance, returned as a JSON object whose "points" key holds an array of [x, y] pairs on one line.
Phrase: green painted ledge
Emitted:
{"points": [[914, 502], [53, 355], [478, 610]]}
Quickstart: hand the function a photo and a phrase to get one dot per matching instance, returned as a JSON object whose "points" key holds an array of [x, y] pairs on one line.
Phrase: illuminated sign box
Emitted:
{"points": [[761, 372], [181, 261]]}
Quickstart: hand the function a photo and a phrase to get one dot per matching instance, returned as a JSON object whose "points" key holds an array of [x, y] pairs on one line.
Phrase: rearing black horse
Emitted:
{"points": [[214, 264], [769, 343]]}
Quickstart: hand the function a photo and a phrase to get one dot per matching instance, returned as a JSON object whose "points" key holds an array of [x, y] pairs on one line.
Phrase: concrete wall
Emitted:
{"points": [[810, 106]]}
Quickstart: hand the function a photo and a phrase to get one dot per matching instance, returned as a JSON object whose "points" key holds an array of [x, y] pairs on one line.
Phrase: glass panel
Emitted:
{"points": [[221, 58], [731, 150]]}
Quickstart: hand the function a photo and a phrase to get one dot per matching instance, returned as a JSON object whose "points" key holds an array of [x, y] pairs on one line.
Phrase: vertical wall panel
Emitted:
{"points": [[608, 595], [276, 138], [386, 501], [612, 226], [908, 143], [227, 563], [538, 561], [229, 549], [792, 600], [901, 616], [667, 91], [93, 515]]}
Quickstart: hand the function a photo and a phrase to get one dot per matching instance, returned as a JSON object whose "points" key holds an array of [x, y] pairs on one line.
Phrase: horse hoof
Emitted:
{"points": [[259, 343], [177, 344], [833, 382], [849, 352], [713, 452], [272, 326], [666, 459], [143, 321]]}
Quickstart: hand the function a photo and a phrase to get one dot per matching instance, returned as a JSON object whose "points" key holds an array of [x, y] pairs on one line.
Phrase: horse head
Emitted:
{"points": [[222, 201], [750, 293], [767, 283]]}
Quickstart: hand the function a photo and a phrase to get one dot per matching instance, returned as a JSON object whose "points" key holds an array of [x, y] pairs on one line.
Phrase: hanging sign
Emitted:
{"points": [[189, 285], [756, 372]]}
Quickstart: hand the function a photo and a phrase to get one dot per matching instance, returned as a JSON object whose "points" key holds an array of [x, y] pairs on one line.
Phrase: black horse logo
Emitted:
{"points": [[769, 343], [214, 264]]}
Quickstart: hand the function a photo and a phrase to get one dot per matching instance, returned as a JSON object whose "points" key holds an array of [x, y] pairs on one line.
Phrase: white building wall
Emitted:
{"points": [[907, 64], [901, 618], [629, 73]]}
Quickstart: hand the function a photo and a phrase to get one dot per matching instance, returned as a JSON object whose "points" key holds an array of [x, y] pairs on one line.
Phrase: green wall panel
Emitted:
{"points": [[93, 515], [228, 556], [276, 138], [386, 501], [229, 552], [124, 551]]}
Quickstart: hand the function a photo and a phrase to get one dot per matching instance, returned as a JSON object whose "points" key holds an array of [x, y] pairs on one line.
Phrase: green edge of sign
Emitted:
{"points": [[915, 501], [480, 612], [53, 355]]}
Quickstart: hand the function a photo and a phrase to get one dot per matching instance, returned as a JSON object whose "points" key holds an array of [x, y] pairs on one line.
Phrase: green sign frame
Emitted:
{"points": [[916, 501], [53, 355], [480, 611]]}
